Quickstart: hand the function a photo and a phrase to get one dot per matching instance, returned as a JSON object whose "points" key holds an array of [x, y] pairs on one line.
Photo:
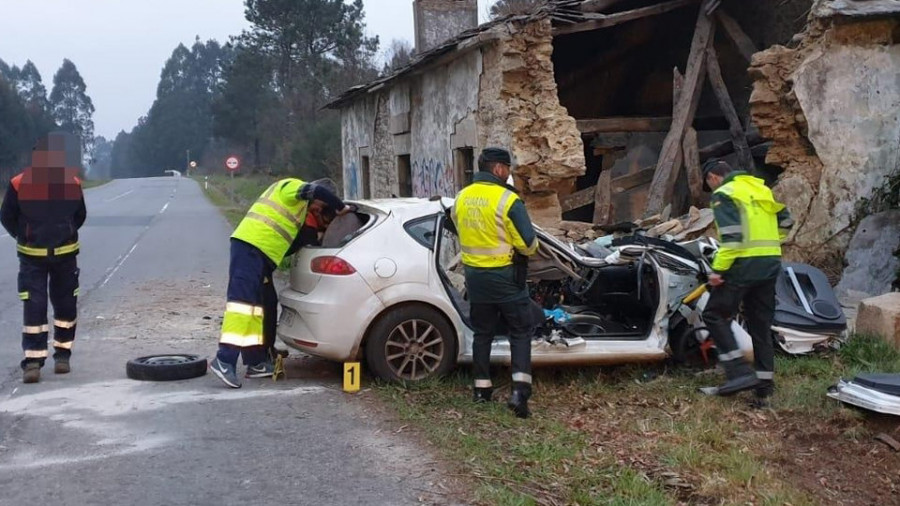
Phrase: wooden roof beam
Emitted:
{"points": [[608, 20]]}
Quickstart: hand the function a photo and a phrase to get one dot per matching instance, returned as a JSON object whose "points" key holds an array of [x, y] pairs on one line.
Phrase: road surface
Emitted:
{"points": [[153, 272]]}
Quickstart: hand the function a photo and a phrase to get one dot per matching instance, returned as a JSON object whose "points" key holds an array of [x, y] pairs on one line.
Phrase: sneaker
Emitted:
{"points": [[31, 373], [224, 372], [261, 370], [61, 366]]}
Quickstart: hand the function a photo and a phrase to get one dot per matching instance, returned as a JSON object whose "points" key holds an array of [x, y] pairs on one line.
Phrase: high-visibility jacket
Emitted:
{"points": [[753, 230], [487, 236], [273, 221]]}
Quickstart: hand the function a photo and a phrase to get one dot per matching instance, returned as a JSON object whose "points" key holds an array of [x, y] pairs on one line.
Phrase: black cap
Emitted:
{"points": [[720, 166], [495, 155], [326, 183]]}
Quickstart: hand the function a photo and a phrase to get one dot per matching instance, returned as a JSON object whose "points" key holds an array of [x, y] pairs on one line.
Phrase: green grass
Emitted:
{"points": [[235, 196], [93, 183], [636, 434]]}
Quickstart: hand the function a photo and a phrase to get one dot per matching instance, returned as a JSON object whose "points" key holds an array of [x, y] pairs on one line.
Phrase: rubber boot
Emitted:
{"points": [[518, 399]]}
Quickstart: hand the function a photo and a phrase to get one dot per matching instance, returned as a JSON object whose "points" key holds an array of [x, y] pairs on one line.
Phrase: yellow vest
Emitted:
{"points": [[273, 221], [759, 222], [487, 236]]}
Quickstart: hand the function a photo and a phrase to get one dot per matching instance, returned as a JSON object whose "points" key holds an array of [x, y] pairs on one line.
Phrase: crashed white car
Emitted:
{"points": [[387, 287]]}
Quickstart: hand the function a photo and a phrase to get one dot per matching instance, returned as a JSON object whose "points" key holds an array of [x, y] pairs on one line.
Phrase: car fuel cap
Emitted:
{"points": [[385, 267]]}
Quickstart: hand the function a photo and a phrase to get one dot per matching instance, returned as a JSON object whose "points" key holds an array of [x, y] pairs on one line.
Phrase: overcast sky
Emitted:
{"points": [[120, 46]]}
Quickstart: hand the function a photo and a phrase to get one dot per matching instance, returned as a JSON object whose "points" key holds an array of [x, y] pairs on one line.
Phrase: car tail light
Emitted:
{"points": [[333, 266]]}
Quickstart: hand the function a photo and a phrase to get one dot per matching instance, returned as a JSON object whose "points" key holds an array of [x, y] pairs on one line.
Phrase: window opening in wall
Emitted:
{"points": [[464, 159], [366, 180], [404, 175]]}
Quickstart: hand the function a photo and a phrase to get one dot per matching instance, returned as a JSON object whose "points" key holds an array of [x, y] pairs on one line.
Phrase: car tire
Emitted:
{"points": [[411, 343], [171, 367]]}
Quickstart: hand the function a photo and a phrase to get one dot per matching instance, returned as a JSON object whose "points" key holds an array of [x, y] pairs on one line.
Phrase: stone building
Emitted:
{"points": [[602, 130]]}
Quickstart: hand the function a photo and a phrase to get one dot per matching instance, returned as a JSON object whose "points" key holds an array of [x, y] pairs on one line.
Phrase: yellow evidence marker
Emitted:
{"points": [[351, 377]]}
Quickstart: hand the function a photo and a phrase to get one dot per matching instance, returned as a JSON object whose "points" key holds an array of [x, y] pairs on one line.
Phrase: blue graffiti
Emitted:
{"points": [[351, 176], [430, 178]]}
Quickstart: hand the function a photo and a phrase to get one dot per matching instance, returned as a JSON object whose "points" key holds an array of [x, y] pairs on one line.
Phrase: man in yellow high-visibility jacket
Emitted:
{"points": [[258, 245], [745, 269], [496, 236]]}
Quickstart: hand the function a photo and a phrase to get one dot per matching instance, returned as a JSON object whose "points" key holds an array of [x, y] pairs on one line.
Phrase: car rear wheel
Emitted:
{"points": [[411, 343]]}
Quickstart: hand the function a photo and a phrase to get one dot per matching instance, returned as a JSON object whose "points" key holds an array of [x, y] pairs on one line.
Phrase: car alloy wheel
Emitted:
{"points": [[414, 349]]}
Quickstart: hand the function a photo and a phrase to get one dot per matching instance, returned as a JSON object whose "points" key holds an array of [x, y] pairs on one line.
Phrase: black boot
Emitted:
{"points": [[740, 377], [763, 393], [482, 395], [518, 399]]}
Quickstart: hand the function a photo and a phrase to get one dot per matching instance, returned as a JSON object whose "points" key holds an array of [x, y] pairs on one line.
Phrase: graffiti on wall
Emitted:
{"points": [[351, 176], [430, 178]]}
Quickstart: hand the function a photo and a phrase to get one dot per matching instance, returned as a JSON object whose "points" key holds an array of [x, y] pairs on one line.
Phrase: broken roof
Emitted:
{"points": [[569, 16], [857, 8]]}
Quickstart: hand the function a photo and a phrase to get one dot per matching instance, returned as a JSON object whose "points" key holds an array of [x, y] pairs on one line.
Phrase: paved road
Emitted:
{"points": [[153, 271]]}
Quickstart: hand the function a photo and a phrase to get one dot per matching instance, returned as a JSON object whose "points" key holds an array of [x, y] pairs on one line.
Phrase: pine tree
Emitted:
{"points": [[71, 106]]}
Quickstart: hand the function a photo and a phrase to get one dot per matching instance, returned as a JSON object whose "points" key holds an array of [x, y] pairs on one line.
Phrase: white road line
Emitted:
{"points": [[118, 264], [119, 196], [164, 208]]}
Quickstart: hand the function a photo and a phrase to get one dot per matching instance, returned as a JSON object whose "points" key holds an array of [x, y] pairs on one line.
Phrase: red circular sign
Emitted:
{"points": [[232, 163]]}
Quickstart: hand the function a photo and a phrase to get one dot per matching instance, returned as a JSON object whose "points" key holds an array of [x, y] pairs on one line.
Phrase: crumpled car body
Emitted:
{"points": [[875, 392], [389, 289]]}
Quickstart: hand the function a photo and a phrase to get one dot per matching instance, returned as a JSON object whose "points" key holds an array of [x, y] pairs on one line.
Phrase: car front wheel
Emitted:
{"points": [[411, 343]]}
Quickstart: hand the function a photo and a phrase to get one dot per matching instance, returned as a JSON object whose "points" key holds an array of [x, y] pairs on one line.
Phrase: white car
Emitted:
{"points": [[387, 287]]}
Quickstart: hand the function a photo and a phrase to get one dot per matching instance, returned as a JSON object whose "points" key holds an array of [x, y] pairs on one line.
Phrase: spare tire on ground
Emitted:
{"points": [[170, 367]]}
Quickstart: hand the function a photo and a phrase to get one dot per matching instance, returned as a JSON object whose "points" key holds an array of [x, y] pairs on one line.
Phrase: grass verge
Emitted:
{"points": [[234, 196], [642, 435], [93, 183]]}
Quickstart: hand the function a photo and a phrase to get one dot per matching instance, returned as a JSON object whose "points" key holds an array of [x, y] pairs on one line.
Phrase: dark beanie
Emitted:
{"points": [[328, 184], [721, 167], [495, 155]]}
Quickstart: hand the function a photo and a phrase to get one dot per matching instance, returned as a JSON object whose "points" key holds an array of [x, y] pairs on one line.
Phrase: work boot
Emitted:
{"points": [[224, 372], [518, 400], [31, 373], [482, 395], [264, 369], [739, 384], [61, 365], [762, 394]]}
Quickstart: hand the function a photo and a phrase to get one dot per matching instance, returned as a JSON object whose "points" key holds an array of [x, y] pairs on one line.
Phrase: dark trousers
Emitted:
{"points": [[247, 272], [36, 275], [759, 311], [485, 319]]}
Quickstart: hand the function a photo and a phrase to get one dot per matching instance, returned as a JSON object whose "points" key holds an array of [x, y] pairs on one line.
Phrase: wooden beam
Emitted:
{"points": [[633, 180], [670, 157], [714, 73], [744, 44], [623, 124], [618, 18], [603, 196], [723, 148], [692, 165], [578, 199], [598, 5]]}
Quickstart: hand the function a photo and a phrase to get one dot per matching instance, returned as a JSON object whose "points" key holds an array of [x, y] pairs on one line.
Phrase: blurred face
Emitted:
{"points": [[48, 159], [714, 181]]}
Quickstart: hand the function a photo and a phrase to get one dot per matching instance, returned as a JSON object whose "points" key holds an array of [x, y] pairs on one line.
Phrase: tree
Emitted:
{"points": [[397, 55], [15, 128], [101, 159], [513, 7], [71, 106]]}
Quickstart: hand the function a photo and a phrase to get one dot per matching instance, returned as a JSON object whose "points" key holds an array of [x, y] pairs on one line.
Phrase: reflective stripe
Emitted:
{"points": [[278, 208], [63, 345], [732, 355], [43, 252], [501, 224], [504, 249], [35, 329], [751, 244], [765, 375], [36, 353], [64, 324], [521, 377], [244, 309], [272, 224], [732, 229], [483, 384], [240, 340], [76, 292], [24, 295]]}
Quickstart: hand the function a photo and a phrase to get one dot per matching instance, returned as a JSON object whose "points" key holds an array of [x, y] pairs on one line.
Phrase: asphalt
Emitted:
{"points": [[153, 273]]}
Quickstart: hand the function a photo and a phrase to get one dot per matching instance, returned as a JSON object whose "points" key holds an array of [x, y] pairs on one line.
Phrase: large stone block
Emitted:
{"points": [[871, 264], [880, 316]]}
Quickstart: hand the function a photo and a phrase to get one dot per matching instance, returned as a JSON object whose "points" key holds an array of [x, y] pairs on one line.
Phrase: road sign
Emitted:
{"points": [[193, 165], [232, 163]]}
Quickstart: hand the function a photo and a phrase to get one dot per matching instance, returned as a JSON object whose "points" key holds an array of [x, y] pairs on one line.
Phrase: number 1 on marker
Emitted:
{"points": [[351, 377]]}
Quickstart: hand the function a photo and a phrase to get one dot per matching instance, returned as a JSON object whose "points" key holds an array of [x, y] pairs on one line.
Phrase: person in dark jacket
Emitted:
{"points": [[43, 210]]}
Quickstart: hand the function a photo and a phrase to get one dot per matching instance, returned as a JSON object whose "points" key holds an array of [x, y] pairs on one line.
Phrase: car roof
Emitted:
{"points": [[406, 208]]}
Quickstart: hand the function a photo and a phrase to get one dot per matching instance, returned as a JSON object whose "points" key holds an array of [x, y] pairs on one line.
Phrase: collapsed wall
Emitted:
{"points": [[519, 107], [832, 107]]}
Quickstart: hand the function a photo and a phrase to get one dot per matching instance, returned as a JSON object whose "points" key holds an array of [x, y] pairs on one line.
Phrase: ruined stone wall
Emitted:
{"points": [[832, 108], [520, 105]]}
